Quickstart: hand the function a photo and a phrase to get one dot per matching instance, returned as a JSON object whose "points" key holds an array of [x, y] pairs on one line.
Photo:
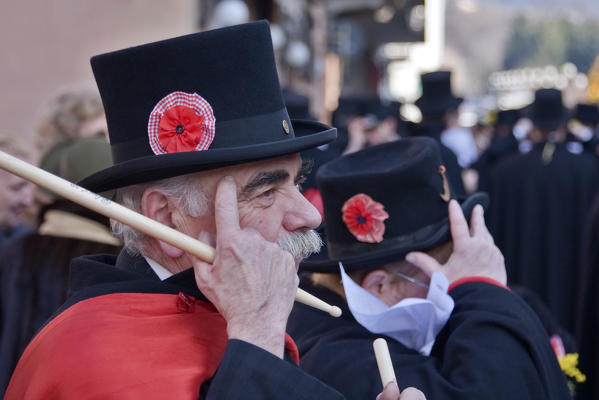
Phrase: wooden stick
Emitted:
{"points": [[313, 301], [110, 209], [383, 360]]}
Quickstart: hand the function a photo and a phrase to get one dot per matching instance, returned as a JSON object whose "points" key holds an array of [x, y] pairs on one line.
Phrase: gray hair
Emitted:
{"points": [[185, 190]]}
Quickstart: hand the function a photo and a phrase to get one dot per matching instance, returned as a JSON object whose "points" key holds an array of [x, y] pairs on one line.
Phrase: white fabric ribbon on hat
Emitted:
{"points": [[414, 322]]}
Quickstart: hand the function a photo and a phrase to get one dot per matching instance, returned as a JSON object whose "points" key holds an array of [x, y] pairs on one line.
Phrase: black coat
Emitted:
{"points": [[587, 327], [13, 233], [500, 148], [493, 347], [537, 216], [245, 371]]}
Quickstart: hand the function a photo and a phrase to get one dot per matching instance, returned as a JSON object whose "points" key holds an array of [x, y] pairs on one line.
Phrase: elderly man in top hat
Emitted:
{"points": [[202, 143], [454, 330]]}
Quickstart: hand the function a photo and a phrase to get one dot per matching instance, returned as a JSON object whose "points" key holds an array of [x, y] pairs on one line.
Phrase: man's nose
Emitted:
{"points": [[301, 214]]}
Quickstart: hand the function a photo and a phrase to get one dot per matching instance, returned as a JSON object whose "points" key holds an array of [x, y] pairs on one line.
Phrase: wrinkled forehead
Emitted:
{"points": [[246, 172]]}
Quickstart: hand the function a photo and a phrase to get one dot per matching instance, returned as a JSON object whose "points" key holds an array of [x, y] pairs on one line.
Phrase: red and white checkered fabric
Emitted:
{"points": [[191, 100]]}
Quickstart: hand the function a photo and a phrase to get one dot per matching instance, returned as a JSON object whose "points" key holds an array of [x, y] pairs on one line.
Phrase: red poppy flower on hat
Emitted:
{"points": [[365, 218], [181, 122], [180, 129]]}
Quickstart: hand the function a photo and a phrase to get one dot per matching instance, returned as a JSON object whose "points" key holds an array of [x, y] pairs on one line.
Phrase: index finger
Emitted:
{"points": [[226, 213], [477, 221], [457, 223]]}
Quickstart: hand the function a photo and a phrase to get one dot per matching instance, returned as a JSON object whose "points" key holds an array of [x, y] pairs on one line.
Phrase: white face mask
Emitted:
{"points": [[414, 322]]}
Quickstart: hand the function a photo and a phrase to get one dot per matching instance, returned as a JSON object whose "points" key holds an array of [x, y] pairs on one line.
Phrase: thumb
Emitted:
{"points": [[390, 392], [412, 393], [426, 263]]}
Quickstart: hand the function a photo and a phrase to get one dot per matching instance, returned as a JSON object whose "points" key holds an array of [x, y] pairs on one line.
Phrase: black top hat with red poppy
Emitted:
{"points": [[436, 95], [195, 102], [382, 202]]}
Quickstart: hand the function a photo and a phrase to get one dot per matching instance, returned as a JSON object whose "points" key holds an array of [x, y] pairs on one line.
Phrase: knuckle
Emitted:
{"points": [[228, 246], [485, 246]]}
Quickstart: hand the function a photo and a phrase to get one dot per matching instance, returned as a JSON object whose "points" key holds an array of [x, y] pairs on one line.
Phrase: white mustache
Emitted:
{"points": [[301, 244]]}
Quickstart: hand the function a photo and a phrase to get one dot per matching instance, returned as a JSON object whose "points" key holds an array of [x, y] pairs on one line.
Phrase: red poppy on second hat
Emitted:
{"points": [[365, 218]]}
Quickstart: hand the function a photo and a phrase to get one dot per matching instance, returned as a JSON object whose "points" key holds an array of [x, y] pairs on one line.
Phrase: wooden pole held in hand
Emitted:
{"points": [[110, 209], [383, 360]]}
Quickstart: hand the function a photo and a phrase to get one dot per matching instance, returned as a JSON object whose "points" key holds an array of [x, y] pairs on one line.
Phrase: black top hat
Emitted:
{"points": [[547, 111], [587, 114], [436, 95], [382, 202], [193, 103], [350, 106]]}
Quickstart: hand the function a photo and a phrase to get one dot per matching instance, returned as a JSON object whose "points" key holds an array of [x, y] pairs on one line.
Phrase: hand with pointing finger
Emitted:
{"points": [[474, 251], [252, 281]]}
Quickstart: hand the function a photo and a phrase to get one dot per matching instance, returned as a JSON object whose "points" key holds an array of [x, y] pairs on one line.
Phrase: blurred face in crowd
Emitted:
{"points": [[15, 196], [94, 127], [385, 131]]}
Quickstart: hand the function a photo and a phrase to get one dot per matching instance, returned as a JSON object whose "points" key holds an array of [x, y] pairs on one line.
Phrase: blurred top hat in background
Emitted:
{"points": [[437, 96]]}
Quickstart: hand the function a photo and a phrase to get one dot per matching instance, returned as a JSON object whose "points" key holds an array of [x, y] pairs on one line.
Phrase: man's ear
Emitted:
{"points": [[376, 282], [155, 205]]}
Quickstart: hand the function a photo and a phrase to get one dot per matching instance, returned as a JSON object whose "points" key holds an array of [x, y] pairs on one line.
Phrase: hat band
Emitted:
{"points": [[423, 237], [263, 128]]}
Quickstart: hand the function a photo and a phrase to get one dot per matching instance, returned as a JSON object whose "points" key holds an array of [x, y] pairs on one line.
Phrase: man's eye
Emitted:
{"points": [[266, 193]]}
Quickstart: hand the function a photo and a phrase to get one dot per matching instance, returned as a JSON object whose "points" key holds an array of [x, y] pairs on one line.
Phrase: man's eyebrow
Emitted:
{"points": [[264, 179]]}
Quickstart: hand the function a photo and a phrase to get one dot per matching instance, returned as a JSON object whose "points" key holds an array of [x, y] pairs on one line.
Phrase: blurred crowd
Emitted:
{"points": [[539, 165]]}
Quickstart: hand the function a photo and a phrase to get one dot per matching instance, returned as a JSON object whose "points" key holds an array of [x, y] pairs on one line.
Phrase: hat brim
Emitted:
{"points": [[308, 134], [321, 262]]}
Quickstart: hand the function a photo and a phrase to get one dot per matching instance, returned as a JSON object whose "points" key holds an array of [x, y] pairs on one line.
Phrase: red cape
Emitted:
{"points": [[125, 345]]}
